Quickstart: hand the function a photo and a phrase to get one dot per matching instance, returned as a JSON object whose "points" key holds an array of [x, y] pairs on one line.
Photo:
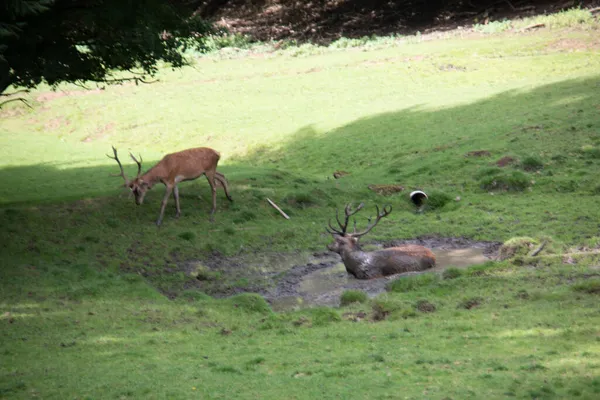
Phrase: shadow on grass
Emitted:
{"points": [[556, 124], [446, 150], [415, 146]]}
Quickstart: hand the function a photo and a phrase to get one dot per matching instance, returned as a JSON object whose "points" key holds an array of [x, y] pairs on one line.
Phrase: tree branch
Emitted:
{"points": [[13, 93], [22, 100]]}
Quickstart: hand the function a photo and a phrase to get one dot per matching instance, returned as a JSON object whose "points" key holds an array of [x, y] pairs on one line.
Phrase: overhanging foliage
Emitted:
{"points": [[86, 40]]}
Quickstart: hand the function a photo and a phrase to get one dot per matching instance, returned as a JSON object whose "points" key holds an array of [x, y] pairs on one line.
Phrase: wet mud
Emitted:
{"points": [[295, 280]]}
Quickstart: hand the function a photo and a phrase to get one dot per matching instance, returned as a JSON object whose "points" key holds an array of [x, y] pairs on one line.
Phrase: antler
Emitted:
{"points": [[386, 211], [344, 226], [139, 164], [116, 158]]}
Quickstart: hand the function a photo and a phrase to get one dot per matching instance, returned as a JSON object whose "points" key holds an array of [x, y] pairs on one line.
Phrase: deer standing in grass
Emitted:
{"points": [[177, 167], [374, 264]]}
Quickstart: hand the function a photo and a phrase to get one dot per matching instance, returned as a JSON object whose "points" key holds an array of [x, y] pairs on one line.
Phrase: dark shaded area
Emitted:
{"points": [[326, 20]]}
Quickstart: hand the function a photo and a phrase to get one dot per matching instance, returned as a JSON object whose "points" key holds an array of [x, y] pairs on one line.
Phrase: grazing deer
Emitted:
{"points": [[177, 167], [374, 264]]}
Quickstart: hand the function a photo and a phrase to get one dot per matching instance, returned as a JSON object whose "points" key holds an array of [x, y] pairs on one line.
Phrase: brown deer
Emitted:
{"points": [[177, 167], [374, 264]]}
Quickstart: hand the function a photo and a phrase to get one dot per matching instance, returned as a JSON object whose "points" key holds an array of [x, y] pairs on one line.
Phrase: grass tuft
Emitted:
{"points": [[591, 286], [452, 273], [321, 316], [353, 296], [511, 181], [412, 283], [189, 236], [250, 302], [532, 164]]}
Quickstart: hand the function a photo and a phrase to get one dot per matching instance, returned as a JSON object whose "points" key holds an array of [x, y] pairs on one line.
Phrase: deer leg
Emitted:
{"points": [[210, 176], [176, 196], [168, 191], [223, 181]]}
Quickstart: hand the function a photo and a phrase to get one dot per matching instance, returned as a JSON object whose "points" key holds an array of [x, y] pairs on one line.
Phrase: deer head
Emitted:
{"points": [[347, 242], [137, 186]]}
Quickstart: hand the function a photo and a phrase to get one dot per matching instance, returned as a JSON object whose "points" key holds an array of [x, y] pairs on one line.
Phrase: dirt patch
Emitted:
{"points": [[504, 161], [100, 132], [340, 174], [56, 123], [571, 44], [478, 153], [425, 306], [386, 190]]}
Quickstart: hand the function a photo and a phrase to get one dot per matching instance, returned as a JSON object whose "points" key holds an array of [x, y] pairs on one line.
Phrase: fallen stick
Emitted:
{"points": [[278, 209], [540, 248], [533, 26]]}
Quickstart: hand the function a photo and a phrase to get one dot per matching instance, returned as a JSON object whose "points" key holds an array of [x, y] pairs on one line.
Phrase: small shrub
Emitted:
{"points": [[251, 302], [344, 43], [452, 273], [493, 27], [353, 296], [591, 286], [187, 236], [410, 283], [225, 39], [229, 231], [568, 18], [532, 164]]}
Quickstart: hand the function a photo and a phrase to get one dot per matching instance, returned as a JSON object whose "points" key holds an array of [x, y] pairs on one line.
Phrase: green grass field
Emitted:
{"points": [[79, 319]]}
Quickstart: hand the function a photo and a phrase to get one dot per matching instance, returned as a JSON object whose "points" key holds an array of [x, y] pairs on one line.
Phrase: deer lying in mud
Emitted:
{"points": [[374, 264], [177, 167]]}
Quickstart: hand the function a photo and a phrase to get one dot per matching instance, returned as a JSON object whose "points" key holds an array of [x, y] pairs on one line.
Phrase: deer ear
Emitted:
{"points": [[354, 240]]}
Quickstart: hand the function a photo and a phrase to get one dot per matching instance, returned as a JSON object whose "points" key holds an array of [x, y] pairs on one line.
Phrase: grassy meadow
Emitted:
{"points": [[502, 130]]}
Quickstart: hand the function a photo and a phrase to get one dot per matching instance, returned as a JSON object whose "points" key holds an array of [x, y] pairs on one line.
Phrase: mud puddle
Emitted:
{"points": [[325, 286], [295, 280]]}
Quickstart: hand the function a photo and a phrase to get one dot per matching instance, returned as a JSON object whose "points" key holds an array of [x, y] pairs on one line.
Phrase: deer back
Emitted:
{"points": [[188, 164], [390, 261]]}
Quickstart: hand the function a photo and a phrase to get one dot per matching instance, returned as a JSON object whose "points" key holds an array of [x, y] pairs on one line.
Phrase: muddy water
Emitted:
{"points": [[325, 285]]}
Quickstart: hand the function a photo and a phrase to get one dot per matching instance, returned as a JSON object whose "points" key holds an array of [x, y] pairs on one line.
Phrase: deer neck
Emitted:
{"points": [[355, 258], [154, 175]]}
